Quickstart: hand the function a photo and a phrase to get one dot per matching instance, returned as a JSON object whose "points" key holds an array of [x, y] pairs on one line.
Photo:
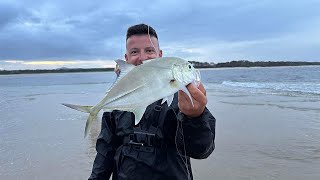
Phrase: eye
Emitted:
{"points": [[189, 66], [134, 52], [151, 50]]}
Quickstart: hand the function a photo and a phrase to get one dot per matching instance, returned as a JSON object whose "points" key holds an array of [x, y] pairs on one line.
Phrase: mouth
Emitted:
{"points": [[197, 75]]}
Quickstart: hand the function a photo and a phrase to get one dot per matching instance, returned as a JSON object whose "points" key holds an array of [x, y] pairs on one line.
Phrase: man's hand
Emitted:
{"points": [[199, 99]]}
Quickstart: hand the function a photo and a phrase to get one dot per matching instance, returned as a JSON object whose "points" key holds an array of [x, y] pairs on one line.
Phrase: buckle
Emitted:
{"points": [[143, 148], [157, 108], [133, 140], [142, 141], [131, 137], [135, 143]]}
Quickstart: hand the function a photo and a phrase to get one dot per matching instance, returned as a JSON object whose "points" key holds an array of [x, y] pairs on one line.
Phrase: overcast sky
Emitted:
{"points": [[38, 34]]}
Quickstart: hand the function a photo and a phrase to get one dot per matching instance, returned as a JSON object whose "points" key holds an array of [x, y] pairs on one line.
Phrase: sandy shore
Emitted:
{"points": [[262, 136], [258, 136]]}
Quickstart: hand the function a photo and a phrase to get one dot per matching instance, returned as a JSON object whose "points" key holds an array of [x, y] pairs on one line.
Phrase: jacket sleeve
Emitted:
{"points": [[199, 134], [106, 146]]}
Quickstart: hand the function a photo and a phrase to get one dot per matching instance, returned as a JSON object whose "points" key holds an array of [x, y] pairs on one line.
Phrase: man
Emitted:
{"points": [[161, 145]]}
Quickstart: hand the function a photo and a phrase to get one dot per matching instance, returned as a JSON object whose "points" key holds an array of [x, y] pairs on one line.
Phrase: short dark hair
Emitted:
{"points": [[141, 29]]}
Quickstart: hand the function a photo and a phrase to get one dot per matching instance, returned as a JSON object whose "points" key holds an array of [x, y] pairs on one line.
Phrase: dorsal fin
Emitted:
{"points": [[124, 68]]}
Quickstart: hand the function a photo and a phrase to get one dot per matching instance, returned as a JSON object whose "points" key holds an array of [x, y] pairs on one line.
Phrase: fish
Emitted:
{"points": [[136, 87]]}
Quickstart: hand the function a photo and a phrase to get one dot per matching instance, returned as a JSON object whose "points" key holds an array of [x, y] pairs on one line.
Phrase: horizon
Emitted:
{"points": [[45, 34]]}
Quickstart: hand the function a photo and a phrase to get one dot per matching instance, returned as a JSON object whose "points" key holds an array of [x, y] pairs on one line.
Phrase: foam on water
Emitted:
{"points": [[296, 87]]}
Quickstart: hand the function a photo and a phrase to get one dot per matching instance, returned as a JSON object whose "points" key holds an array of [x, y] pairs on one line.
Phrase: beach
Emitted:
{"points": [[263, 137], [268, 125]]}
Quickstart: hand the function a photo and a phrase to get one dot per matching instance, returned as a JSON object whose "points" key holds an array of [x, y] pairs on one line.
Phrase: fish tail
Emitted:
{"points": [[86, 109]]}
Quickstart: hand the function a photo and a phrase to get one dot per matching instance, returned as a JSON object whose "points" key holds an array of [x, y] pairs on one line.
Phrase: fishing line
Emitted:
{"points": [[121, 55], [184, 146], [178, 125], [151, 41]]}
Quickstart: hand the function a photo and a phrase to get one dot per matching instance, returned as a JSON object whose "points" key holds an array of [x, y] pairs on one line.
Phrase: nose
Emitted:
{"points": [[143, 56]]}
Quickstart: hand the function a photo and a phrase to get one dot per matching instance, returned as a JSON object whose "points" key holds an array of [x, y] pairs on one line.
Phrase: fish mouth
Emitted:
{"points": [[197, 76]]}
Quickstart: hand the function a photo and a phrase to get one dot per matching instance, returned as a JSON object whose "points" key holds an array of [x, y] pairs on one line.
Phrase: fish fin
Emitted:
{"points": [[91, 118], [124, 68], [164, 100], [138, 113], [185, 90], [170, 99], [85, 109]]}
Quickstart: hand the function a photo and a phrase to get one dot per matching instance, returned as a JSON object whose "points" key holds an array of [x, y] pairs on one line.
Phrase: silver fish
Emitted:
{"points": [[139, 86]]}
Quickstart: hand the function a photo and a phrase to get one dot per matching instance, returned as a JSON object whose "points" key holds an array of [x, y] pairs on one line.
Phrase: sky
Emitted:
{"points": [[42, 34]]}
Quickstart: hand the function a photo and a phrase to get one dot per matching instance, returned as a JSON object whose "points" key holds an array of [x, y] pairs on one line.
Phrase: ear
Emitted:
{"points": [[160, 53], [126, 57]]}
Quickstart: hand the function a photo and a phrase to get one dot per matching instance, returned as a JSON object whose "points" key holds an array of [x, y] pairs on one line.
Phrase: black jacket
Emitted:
{"points": [[164, 156]]}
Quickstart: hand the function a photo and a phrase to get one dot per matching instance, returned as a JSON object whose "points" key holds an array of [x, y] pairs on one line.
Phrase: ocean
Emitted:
{"points": [[268, 124]]}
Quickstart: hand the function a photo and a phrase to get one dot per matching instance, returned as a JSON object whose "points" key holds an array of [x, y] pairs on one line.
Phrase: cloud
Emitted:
{"points": [[211, 30], [43, 33], [299, 44], [13, 61]]}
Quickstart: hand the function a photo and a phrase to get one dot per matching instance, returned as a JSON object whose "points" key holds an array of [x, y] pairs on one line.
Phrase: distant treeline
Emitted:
{"points": [[241, 63], [245, 63], [64, 70]]}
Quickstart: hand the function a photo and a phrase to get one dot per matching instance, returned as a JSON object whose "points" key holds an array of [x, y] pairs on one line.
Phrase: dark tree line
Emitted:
{"points": [[246, 63], [64, 70]]}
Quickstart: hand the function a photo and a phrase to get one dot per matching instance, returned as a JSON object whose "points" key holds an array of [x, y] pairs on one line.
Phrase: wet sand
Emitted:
{"points": [[258, 136], [263, 137]]}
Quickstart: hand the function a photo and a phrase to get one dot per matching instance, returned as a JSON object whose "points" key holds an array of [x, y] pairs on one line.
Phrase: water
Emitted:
{"points": [[272, 132], [279, 80]]}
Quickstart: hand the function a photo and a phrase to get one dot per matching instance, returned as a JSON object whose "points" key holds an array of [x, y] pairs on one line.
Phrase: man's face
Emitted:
{"points": [[139, 48]]}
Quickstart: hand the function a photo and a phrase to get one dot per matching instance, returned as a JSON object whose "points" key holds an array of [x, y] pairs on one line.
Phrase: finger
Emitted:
{"points": [[202, 89], [184, 102], [183, 97], [197, 94]]}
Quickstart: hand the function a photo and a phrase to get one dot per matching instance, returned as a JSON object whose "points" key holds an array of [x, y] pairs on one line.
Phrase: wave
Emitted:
{"points": [[296, 87]]}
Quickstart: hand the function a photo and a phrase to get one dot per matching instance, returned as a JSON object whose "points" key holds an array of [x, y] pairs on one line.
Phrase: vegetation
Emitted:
{"points": [[241, 63], [245, 63], [64, 70]]}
